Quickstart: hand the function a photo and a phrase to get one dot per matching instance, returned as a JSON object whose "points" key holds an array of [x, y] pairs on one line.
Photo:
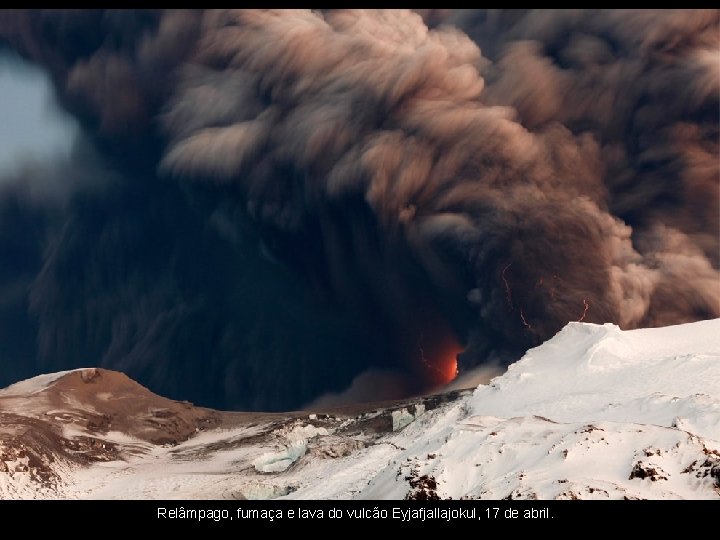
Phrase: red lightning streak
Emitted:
{"points": [[422, 353], [522, 316], [424, 360], [587, 306], [508, 294], [539, 283]]}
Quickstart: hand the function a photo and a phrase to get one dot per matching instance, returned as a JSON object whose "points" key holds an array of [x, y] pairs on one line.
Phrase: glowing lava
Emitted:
{"points": [[440, 360], [450, 370]]}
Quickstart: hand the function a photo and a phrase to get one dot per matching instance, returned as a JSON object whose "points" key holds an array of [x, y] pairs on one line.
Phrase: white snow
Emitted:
{"points": [[401, 418], [296, 447], [272, 462], [574, 416], [591, 372], [34, 385], [304, 432]]}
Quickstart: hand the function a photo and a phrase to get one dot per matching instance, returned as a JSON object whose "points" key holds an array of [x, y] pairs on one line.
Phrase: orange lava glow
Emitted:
{"points": [[441, 364], [450, 369]]}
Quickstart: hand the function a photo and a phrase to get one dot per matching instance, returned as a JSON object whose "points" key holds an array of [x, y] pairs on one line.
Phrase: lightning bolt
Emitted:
{"points": [[508, 293], [587, 306], [522, 317], [422, 357], [539, 283]]}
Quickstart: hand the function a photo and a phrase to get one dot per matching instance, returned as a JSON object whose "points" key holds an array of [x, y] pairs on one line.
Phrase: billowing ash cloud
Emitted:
{"points": [[286, 201]]}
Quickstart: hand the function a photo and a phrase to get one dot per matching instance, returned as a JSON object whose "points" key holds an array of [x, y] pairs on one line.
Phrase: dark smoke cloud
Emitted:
{"points": [[284, 200], [646, 85]]}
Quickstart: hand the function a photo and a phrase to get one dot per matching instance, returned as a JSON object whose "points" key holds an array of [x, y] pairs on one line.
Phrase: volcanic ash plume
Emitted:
{"points": [[332, 194]]}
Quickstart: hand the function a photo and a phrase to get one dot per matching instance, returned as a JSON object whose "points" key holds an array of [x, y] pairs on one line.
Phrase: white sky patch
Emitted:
{"points": [[32, 126]]}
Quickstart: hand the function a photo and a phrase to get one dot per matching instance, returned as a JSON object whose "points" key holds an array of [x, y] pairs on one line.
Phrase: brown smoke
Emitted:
{"points": [[482, 181], [373, 105]]}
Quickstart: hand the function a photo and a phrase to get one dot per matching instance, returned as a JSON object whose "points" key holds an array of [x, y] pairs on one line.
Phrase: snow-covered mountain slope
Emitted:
{"points": [[593, 413]]}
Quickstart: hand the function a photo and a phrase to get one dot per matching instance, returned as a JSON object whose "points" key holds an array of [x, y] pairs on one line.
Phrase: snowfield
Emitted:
{"points": [[594, 413]]}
